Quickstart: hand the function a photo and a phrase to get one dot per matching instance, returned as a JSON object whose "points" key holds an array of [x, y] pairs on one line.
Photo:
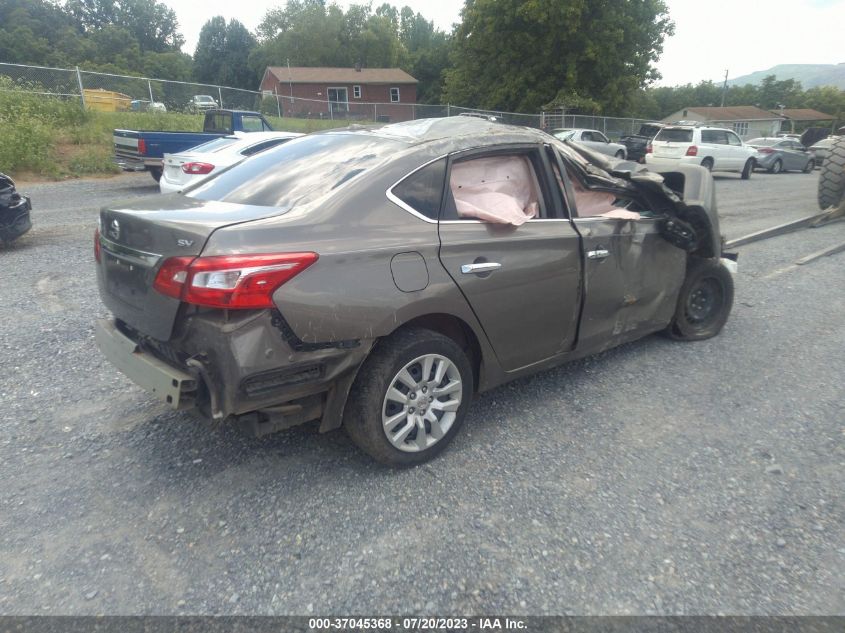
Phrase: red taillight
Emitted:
{"points": [[142, 146], [197, 168], [692, 150], [765, 150], [230, 281], [97, 244], [649, 149]]}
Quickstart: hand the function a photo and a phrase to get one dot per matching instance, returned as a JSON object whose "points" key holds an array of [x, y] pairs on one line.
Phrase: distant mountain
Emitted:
{"points": [[810, 75]]}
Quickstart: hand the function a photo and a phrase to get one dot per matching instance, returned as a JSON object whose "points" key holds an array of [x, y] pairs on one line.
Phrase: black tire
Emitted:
{"points": [[832, 176], [707, 163], [747, 169], [809, 166], [362, 417], [156, 172], [704, 302], [620, 155], [776, 167]]}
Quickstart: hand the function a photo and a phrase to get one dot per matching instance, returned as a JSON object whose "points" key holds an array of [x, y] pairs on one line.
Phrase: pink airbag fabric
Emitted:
{"points": [[496, 189]]}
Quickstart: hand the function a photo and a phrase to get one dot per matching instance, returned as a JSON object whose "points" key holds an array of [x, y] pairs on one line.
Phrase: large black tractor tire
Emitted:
{"points": [[832, 176]]}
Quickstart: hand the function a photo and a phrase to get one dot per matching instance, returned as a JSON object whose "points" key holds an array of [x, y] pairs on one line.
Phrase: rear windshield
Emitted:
{"points": [[763, 142], [674, 135], [299, 171], [216, 145]]}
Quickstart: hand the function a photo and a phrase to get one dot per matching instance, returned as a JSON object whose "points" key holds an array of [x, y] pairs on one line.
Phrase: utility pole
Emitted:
{"points": [[725, 88]]}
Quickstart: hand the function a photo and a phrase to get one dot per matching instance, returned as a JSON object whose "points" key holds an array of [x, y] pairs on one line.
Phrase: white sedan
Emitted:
{"points": [[593, 139], [203, 161]]}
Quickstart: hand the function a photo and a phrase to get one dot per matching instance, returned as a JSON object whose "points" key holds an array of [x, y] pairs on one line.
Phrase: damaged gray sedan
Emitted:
{"points": [[377, 279]]}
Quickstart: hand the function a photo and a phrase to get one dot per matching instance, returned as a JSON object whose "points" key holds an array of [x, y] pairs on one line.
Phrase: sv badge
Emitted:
{"points": [[183, 242]]}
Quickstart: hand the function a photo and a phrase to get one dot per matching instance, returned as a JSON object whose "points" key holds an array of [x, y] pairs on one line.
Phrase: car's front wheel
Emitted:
{"points": [[410, 397], [620, 155], [746, 171], [776, 167], [704, 303]]}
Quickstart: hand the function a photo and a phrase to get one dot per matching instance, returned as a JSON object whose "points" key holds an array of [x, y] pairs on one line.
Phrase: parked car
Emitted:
{"points": [[636, 144], [593, 139], [14, 211], [208, 159], [714, 148], [378, 278], [138, 150], [140, 105], [781, 154], [820, 150], [201, 103]]}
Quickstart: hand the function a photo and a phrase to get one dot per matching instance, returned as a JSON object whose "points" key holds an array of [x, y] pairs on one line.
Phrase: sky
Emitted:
{"points": [[711, 36]]}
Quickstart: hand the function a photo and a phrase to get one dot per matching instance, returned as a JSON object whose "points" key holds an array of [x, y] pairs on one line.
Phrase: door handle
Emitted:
{"points": [[485, 267], [599, 253]]}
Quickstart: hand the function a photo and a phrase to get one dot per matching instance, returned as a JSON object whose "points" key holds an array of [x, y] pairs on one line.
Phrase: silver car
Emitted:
{"points": [[781, 154], [820, 150], [593, 139]]}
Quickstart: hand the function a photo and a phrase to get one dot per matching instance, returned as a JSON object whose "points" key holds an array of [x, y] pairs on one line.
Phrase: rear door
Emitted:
{"points": [[523, 282], [671, 142]]}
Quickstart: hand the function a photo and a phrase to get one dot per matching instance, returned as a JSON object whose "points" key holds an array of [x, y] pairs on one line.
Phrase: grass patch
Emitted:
{"points": [[53, 138]]}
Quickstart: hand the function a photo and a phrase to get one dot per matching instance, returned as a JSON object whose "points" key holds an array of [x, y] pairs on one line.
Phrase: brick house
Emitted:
{"points": [[342, 92]]}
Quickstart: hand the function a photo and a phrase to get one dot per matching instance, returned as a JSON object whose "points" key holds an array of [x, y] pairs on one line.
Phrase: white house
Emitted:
{"points": [[747, 121]]}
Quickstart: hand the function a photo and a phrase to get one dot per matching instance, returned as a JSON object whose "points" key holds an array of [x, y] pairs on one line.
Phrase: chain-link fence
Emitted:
{"points": [[122, 93]]}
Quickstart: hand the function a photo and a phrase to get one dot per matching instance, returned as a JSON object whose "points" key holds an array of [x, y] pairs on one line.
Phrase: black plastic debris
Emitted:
{"points": [[14, 211]]}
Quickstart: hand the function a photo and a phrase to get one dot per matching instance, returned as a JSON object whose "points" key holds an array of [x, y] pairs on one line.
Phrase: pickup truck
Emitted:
{"points": [[636, 144], [139, 150]]}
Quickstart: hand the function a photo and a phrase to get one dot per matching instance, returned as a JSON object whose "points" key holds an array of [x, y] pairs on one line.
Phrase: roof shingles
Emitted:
{"points": [[322, 75]]}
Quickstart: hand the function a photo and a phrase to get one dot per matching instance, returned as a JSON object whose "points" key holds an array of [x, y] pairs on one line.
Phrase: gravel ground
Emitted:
{"points": [[657, 477]]}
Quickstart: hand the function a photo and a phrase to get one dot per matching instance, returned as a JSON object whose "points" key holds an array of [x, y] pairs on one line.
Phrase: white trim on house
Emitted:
{"points": [[396, 100], [344, 102], [356, 92]]}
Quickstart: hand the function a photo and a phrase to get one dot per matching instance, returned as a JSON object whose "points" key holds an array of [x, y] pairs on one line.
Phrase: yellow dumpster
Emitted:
{"points": [[106, 100]]}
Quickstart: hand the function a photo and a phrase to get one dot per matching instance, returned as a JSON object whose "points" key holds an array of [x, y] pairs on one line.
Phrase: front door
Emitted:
{"points": [[522, 282], [632, 275], [338, 101]]}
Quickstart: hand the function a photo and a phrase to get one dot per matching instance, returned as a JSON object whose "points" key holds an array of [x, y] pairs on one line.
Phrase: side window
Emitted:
{"points": [[598, 136], [733, 139], [714, 137], [423, 189], [587, 136], [251, 124], [499, 188], [394, 95], [356, 92]]}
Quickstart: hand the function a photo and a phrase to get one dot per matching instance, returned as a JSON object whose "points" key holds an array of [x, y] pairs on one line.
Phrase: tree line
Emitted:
{"points": [[511, 55]]}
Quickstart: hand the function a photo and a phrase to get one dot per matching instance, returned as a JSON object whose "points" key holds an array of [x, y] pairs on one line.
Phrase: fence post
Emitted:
{"points": [[220, 96], [150, 88], [81, 89], [278, 105], [375, 112], [448, 109]]}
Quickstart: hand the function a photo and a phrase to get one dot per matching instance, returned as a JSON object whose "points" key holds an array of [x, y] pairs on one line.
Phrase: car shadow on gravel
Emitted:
{"points": [[177, 441]]}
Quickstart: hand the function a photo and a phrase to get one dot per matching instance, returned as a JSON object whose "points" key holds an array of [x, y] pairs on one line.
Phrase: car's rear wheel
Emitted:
{"points": [[809, 166], [156, 173], [746, 171], [704, 303], [707, 163], [776, 167], [410, 397]]}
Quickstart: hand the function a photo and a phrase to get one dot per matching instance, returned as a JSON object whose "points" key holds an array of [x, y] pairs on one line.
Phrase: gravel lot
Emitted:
{"points": [[658, 477]]}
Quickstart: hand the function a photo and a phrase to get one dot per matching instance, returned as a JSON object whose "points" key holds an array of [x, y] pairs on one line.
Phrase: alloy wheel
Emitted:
{"points": [[421, 403]]}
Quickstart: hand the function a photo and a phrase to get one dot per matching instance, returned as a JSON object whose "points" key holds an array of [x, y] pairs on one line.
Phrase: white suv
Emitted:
{"points": [[714, 148]]}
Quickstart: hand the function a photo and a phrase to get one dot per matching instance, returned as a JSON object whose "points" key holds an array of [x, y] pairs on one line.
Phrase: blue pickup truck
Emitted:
{"points": [[138, 150]]}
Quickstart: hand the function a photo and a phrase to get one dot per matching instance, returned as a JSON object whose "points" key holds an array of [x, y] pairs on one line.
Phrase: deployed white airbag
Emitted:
{"points": [[496, 189]]}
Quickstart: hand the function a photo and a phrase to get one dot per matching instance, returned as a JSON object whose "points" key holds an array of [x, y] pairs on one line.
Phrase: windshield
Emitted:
{"points": [[674, 135], [763, 142], [205, 98], [298, 172], [563, 134]]}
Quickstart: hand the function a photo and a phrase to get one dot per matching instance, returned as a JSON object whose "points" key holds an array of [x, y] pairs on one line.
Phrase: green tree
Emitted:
{"points": [[222, 54], [152, 24], [517, 55]]}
